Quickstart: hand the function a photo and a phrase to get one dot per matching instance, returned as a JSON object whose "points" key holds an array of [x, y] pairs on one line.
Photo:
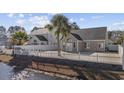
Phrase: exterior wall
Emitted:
{"points": [[81, 47], [51, 38], [73, 44], [94, 46]]}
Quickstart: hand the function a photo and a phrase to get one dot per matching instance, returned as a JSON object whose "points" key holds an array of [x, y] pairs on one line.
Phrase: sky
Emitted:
{"points": [[113, 21]]}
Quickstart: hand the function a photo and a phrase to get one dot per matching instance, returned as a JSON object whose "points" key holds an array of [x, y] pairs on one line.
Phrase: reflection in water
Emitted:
{"points": [[7, 73]]}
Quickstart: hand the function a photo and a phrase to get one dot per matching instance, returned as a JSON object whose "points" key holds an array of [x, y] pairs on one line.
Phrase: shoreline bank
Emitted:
{"points": [[65, 68]]}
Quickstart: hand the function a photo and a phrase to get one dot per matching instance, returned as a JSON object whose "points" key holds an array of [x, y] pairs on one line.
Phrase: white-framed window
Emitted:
{"points": [[42, 43], [101, 45], [35, 42], [74, 45], [87, 45]]}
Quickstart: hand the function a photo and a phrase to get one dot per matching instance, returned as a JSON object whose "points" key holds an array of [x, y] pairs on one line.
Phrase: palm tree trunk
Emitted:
{"points": [[12, 48], [59, 49], [20, 41]]}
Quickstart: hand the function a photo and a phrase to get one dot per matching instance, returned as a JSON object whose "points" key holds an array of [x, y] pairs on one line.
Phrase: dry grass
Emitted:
{"points": [[5, 58]]}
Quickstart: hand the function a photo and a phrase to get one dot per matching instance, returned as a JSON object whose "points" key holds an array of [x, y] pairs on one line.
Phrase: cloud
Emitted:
{"points": [[21, 15], [71, 20], [20, 22], [39, 21], [52, 14], [11, 15], [82, 19], [97, 17], [29, 14], [117, 26]]}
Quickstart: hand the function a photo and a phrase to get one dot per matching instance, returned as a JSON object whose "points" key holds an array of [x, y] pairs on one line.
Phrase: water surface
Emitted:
{"points": [[7, 73]]}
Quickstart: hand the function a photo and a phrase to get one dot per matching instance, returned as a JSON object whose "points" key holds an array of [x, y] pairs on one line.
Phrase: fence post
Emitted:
{"points": [[79, 55], [123, 57], [97, 57]]}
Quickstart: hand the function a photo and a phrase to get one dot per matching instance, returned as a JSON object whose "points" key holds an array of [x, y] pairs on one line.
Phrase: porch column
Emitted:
{"points": [[123, 57], [77, 46]]}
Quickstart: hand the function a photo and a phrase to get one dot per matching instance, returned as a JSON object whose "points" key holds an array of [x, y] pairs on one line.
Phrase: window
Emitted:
{"points": [[74, 45], [35, 42], [101, 45], [87, 44], [69, 40], [42, 43]]}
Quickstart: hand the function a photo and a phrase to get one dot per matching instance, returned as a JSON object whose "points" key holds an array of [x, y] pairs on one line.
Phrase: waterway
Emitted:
{"points": [[7, 73]]}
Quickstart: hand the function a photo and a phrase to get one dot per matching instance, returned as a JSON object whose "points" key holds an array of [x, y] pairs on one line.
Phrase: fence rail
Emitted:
{"points": [[93, 57], [38, 47]]}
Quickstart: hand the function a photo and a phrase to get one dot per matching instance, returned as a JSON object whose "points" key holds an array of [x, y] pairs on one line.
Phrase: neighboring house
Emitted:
{"points": [[90, 39], [41, 37], [3, 40], [3, 37], [114, 35]]}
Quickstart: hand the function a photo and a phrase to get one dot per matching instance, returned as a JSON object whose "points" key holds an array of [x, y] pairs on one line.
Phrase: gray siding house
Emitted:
{"points": [[90, 39], [3, 40]]}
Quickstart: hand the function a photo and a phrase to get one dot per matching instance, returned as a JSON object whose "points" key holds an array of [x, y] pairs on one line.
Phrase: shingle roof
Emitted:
{"points": [[76, 36], [41, 38], [98, 33], [39, 32]]}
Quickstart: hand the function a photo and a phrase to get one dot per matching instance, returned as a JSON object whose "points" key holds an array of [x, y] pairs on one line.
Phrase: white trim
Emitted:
{"points": [[94, 40]]}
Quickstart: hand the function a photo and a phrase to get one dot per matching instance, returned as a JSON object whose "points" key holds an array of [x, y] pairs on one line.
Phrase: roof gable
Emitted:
{"points": [[39, 31]]}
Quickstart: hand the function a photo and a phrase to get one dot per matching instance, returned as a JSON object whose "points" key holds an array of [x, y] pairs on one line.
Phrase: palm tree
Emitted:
{"points": [[19, 38], [61, 27]]}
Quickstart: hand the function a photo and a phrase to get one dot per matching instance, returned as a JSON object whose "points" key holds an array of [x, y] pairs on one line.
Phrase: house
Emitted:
{"points": [[113, 36], [89, 39], [42, 36], [3, 40]]}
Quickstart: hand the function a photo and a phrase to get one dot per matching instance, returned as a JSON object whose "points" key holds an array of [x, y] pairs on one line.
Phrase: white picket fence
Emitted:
{"points": [[48, 51], [38, 47], [120, 50], [2, 47], [113, 47]]}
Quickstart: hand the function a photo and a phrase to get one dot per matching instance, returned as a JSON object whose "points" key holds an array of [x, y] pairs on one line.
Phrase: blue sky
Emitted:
{"points": [[113, 21]]}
